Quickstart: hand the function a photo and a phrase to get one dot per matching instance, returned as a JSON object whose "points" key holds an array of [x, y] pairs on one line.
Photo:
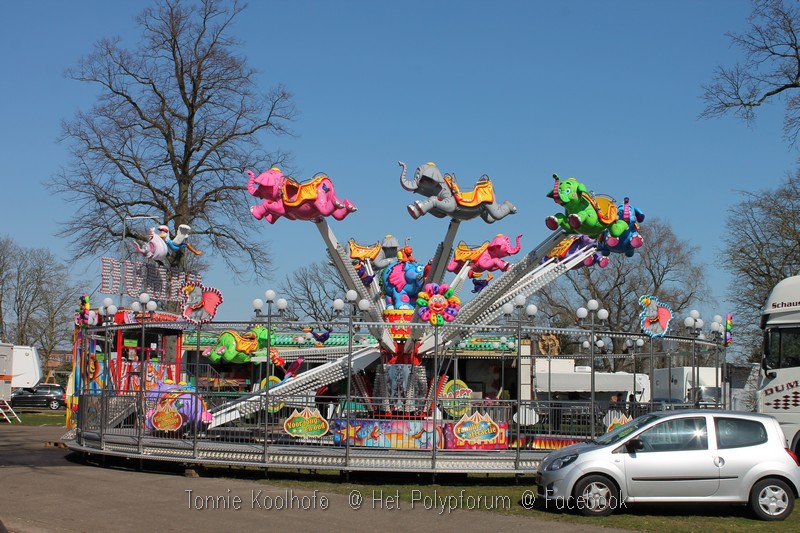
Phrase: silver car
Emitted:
{"points": [[677, 456]]}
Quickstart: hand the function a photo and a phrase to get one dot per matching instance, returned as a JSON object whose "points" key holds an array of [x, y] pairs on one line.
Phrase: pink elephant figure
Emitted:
{"points": [[285, 197], [487, 257]]}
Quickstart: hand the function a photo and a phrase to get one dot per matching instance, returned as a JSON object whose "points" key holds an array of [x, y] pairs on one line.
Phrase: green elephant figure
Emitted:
{"points": [[232, 347], [585, 214]]}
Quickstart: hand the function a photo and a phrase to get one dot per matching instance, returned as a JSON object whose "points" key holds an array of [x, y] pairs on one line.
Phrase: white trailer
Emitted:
{"points": [[26, 368], [676, 385], [6, 360], [564, 377]]}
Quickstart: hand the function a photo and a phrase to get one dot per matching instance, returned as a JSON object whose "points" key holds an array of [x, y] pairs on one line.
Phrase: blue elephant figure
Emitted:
{"points": [[401, 281], [630, 238]]}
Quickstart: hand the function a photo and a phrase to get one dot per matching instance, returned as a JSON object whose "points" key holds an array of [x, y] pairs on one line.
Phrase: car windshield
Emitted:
{"points": [[623, 431]]}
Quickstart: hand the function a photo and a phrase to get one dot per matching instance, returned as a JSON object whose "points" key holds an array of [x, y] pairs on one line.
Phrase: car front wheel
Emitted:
{"points": [[54, 405], [771, 499], [596, 496]]}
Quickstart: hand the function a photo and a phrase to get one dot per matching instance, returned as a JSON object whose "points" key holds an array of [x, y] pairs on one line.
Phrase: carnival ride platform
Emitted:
{"points": [[126, 443]]}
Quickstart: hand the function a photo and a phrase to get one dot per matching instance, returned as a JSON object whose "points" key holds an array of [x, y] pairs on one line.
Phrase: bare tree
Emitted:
{"points": [[176, 122], [663, 267], [30, 280], [54, 324], [37, 298], [770, 68], [8, 250], [763, 249], [312, 289], [760, 254]]}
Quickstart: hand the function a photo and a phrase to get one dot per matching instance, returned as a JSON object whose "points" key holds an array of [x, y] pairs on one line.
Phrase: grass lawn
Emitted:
{"points": [[506, 494], [41, 417]]}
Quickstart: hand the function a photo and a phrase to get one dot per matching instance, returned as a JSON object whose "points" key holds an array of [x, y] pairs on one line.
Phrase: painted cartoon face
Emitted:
{"points": [[568, 190], [437, 304], [92, 370]]}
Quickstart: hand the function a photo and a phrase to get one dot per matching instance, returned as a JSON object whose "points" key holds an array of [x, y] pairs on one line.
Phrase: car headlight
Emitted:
{"points": [[561, 462]]}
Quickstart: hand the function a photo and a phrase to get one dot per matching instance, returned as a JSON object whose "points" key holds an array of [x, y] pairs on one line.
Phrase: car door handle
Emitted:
{"points": [[719, 462]]}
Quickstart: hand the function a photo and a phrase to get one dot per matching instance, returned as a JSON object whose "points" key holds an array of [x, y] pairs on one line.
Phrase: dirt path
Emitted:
{"points": [[46, 488]]}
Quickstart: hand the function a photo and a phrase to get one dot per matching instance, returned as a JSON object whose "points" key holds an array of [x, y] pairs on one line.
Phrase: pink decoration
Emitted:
{"points": [[200, 303], [285, 197]]}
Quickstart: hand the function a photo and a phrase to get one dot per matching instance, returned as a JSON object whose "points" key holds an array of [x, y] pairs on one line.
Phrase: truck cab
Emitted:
{"points": [[779, 376]]}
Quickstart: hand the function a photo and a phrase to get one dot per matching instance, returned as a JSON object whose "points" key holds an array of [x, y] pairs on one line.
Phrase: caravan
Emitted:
{"points": [[25, 369], [676, 385]]}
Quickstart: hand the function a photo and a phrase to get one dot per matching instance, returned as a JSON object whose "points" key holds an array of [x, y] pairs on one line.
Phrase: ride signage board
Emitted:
{"points": [[456, 396], [166, 417], [308, 423], [476, 429]]}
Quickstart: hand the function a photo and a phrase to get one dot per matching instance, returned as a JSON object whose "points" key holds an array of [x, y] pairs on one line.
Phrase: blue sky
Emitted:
{"points": [[608, 92]]}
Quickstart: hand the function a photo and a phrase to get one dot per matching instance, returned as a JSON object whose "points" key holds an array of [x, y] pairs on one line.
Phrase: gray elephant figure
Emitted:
{"points": [[380, 254], [388, 253], [446, 199]]}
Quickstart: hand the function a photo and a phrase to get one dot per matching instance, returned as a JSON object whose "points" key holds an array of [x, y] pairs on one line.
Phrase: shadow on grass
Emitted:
{"points": [[709, 510], [673, 518], [664, 510]]}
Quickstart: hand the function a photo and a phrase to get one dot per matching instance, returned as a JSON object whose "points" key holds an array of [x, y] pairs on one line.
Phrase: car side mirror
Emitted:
{"points": [[635, 445]]}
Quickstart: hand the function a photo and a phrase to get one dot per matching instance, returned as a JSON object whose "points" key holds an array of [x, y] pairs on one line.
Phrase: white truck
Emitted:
{"points": [[778, 391], [676, 385]]}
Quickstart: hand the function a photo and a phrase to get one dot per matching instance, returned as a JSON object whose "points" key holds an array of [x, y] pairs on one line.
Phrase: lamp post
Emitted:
{"points": [[629, 344], [496, 346], [107, 313], [434, 412], [651, 378], [593, 310], [694, 327], [530, 312], [462, 345], [718, 336], [258, 304], [634, 345], [256, 374], [356, 308], [144, 308]]}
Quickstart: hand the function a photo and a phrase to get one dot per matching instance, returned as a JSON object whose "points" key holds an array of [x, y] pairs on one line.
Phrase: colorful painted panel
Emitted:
{"points": [[401, 434], [175, 407], [545, 442]]}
